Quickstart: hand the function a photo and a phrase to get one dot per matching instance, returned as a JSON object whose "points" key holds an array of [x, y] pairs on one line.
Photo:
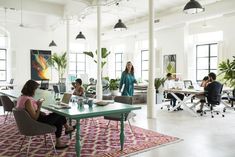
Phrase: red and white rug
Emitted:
{"points": [[95, 141]]}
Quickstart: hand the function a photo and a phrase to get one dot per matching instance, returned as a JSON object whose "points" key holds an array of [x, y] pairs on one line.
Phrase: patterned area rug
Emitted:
{"points": [[95, 139]]}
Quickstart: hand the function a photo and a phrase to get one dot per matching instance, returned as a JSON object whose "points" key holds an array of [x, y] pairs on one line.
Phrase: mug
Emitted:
{"points": [[90, 103]]}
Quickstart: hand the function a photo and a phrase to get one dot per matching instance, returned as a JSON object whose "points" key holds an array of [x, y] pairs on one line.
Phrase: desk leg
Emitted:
{"points": [[78, 144], [70, 123], [122, 135], [183, 102]]}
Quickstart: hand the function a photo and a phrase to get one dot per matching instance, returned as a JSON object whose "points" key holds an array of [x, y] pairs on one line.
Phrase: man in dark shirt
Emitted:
{"points": [[212, 90]]}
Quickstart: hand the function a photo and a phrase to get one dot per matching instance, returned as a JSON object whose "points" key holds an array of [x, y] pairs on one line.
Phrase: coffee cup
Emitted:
{"points": [[90, 103]]}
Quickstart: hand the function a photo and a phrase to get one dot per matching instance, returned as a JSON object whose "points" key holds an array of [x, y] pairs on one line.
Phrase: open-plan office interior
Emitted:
{"points": [[95, 41]]}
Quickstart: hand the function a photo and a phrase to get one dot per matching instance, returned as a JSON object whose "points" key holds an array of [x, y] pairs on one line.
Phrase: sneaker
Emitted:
{"points": [[179, 109], [199, 111]]}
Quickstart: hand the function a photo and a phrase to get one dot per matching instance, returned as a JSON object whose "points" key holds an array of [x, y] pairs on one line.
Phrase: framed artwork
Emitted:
{"points": [[40, 69], [169, 63]]}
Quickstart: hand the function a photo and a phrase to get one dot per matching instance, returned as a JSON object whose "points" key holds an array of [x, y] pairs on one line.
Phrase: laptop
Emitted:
{"points": [[66, 98]]}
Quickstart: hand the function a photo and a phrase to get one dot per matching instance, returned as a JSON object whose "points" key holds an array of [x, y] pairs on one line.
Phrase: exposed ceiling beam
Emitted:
{"points": [[36, 6]]}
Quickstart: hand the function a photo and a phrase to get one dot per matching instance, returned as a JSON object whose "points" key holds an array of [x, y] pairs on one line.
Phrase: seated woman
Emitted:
{"points": [[33, 107], [78, 89]]}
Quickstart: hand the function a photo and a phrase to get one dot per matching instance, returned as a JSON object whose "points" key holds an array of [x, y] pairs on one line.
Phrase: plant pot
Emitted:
{"points": [[114, 92], [159, 98]]}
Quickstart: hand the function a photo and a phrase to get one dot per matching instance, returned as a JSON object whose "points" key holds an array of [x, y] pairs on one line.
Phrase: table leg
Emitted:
{"points": [[78, 144], [122, 135], [70, 123], [183, 102]]}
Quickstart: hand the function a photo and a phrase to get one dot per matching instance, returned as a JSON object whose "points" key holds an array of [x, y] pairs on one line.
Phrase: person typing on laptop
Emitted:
{"points": [[33, 107]]}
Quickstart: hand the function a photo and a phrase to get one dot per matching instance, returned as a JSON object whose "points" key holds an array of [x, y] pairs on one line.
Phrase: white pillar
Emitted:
{"points": [[99, 83], [151, 94], [67, 45]]}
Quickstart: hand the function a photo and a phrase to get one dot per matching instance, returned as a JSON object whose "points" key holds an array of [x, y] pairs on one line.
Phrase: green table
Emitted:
{"points": [[78, 113]]}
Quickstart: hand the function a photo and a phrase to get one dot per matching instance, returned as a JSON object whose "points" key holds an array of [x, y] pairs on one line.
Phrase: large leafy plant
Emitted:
{"points": [[59, 62], [114, 84], [227, 69], [158, 82], [104, 55]]}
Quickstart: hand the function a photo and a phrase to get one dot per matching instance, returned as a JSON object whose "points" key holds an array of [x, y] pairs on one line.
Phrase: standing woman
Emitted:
{"points": [[127, 80]]}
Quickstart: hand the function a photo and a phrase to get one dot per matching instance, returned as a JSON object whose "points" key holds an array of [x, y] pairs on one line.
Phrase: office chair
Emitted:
{"points": [[7, 104], [213, 98], [231, 98], [165, 99]]}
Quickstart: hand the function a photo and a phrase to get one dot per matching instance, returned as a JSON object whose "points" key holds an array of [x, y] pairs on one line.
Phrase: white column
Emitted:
{"points": [[151, 94], [99, 83], [67, 45]]}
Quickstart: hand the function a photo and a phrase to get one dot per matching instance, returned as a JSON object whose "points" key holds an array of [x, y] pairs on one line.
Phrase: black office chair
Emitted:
{"points": [[165, 99], [213, 98], [44, 84], [231, 98]]}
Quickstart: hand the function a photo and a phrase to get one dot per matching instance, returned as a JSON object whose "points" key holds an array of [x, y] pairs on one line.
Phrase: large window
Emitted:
{"points": [[206, 60], [77, 64], [144, 64], [3, 64], [118, 65]]}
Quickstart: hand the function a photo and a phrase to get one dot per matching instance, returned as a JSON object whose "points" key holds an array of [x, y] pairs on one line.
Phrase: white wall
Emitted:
{"points": [[24, 39], [179, 40]]}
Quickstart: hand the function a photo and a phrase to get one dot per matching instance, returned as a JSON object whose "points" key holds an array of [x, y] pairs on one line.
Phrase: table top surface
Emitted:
{"points": [[76, 111]]}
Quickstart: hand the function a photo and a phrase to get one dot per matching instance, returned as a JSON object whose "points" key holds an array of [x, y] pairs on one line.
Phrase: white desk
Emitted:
{"points": [[6, 85], [189, 93]]}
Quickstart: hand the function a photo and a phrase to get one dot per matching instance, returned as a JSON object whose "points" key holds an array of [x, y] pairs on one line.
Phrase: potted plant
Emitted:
{"points": [[159, 82], [59, 62], [113, 86], [104, 55], [227, 70]]}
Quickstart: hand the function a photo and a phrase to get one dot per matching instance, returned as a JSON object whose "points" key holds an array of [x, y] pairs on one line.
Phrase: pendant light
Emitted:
{"points": [[52, 44], [193, 7], [120, 26], [80, 36]]}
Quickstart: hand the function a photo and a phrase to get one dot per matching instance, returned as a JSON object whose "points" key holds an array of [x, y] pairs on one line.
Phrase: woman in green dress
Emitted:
{"points": [[127, 80]]}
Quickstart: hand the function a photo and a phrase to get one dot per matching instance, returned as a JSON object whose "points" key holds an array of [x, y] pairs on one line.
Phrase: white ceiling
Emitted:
{"points": [[50, 12]]}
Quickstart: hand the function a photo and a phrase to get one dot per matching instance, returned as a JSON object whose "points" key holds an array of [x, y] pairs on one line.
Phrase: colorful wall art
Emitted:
{"points": [[39, 67]]}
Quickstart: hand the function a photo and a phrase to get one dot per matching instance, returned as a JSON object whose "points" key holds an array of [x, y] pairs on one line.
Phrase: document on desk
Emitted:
{"points": [[60, 106]]}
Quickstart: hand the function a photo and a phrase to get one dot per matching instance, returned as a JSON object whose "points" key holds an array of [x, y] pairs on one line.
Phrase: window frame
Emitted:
{"points": [[119, 53], [141, 66], [76, 63], [209, 58], [5, 64]]}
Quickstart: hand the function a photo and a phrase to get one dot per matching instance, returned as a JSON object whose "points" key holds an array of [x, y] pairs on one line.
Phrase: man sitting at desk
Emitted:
{"points": [[169, 84], [212, 88]]}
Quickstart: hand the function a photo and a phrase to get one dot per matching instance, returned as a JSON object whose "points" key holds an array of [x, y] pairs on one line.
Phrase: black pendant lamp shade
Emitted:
{"points": [[120, 26], [52, 43], [80, 36], [193, 7]]}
